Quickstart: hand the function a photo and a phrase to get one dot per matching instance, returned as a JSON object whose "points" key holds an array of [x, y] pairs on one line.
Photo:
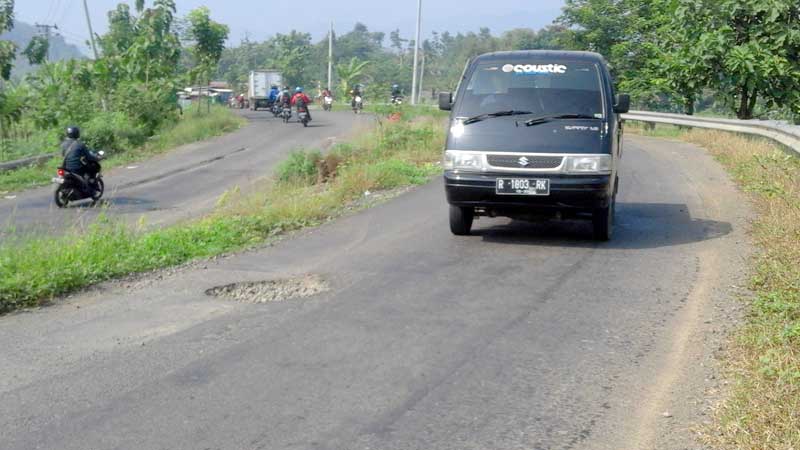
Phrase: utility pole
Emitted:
{"points": [[45, 30], [421, 75], [94, 49], [416, 54], [91, 33], [330, 58]]}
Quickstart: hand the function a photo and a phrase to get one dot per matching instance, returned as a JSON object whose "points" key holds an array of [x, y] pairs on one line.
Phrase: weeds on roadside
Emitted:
{"points": [[763, 410]]}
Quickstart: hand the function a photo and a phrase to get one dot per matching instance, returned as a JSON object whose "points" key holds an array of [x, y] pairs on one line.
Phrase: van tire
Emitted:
{"points": [[461, 220], [603, 221]]}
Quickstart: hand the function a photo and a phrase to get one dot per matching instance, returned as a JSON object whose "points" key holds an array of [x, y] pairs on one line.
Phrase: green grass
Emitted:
{"points": [[763, 411], [34, 270], [192, 127], [763, 365]]}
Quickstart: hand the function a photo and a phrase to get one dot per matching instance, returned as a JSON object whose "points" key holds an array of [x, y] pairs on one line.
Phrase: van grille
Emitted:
{"points": [[525, 161]]}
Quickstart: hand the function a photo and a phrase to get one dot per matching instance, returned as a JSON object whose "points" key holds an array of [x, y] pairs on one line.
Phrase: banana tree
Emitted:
{"points": [[350, 73]]}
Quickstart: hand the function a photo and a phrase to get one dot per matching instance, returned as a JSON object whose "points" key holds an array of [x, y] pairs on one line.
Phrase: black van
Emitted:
{"points": [[534, 134]]}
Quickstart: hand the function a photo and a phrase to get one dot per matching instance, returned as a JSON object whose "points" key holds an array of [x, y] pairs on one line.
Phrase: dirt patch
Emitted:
{"points": [[271, 290]]}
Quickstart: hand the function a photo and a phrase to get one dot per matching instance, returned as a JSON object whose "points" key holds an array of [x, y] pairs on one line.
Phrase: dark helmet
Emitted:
{"points": [[73, 132]]}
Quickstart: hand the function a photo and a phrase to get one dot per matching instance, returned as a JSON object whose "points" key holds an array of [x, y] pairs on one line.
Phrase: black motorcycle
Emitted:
{"points": [[357, 104], [302, 113], [286, 113], [73, 187]]}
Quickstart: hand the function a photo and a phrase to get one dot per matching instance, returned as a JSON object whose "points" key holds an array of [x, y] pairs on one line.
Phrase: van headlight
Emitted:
{"points": [[589, 164], [467, 161]]}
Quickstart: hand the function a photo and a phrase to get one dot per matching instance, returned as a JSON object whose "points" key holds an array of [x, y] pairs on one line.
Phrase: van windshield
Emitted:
{"points": [[544, 88]]}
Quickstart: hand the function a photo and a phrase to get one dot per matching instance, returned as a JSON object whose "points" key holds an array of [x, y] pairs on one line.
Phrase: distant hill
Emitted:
{"points": [[22, 33]]}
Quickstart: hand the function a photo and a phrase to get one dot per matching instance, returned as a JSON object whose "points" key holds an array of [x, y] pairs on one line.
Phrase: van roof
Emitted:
{"points": [[526, 55]]}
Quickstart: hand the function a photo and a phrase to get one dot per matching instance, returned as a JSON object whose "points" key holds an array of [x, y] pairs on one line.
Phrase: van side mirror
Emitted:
{"points": [[445, 101], [623, 104]]}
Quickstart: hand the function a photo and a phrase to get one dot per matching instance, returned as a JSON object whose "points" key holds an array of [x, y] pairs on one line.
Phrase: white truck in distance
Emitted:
{"points": [[259, 85]]}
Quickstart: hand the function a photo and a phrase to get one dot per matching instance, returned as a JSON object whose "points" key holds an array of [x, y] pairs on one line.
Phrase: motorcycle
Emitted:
{"points": [[327, 103], [358, 104], [397, 100], [286, 113], [276, 109], [73, 187], [302, 113]]}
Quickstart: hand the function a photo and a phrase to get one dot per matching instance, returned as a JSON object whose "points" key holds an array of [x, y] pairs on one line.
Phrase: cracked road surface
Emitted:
{"points": [[521, 336]]}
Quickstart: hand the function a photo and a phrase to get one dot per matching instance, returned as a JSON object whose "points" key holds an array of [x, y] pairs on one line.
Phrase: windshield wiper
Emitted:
{"points": [[480, 117], [543, 119]]}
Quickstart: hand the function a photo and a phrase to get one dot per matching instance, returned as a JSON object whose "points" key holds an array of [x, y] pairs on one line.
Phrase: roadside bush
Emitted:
{"points": [[113, 131], [300, 166]]}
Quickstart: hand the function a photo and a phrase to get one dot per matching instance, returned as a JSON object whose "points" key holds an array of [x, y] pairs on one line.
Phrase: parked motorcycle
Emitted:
{"points": [[73, 187], [358, 104], [327, 103]]}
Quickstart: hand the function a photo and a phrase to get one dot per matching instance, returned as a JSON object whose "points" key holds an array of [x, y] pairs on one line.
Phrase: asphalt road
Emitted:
{"points": [[522, 336], [187, 181]]}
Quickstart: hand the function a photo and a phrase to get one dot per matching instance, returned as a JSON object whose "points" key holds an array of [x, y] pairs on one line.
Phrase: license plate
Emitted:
{"points": [[522, 186], [58, 180]]}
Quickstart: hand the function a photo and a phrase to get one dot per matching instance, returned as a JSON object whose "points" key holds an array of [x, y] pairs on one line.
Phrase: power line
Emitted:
{"points": [[49, 10], [67, 8]]}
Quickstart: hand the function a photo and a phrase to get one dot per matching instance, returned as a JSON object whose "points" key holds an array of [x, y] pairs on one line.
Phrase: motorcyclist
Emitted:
{"points": [[356, 92], [78, 159], [273, 94], [326, 93], [284, 99], [301, 100], [396, 92]]}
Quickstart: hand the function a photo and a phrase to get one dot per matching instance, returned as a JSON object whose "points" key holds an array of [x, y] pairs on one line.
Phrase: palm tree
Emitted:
{"points": [[350, 73]]}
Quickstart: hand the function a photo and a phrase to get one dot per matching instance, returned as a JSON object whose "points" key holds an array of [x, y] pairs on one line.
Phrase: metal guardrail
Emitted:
{"points": [[784, 134], [787, 135], [31, 161]]}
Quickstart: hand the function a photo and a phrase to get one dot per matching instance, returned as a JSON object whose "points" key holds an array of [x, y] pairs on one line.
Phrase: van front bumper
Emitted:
{"points": [[568, 193]]}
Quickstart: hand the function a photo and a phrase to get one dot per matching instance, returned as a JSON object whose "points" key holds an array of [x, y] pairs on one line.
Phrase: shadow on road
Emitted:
{"points": [[638, 226]]}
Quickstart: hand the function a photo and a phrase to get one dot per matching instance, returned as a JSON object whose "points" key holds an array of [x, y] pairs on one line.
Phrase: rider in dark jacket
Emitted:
{"points": [[78, 159]]}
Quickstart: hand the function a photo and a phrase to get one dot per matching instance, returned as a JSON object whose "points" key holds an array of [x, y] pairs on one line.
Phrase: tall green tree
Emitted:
{"points": [[752, 48], [8, 50], [291, 54], [208, 38], [351, 74], [36, 50]]}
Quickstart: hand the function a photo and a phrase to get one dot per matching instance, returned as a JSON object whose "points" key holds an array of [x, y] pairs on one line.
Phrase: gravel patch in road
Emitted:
{"points": [[271, 290]]}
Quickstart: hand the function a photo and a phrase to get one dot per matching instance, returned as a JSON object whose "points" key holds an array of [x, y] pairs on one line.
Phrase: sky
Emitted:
{"points": [[260, 19]]}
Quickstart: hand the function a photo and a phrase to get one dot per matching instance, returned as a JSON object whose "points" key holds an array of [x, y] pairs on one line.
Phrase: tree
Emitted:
{"points": [[751, 46], [36, 50], [121, 31], [8, 50], [597, 25], [350, 73], [209, 41], [291, 53], [155, 49]]}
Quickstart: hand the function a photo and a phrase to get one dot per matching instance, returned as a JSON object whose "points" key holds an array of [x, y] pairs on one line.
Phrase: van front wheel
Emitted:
{"points": [[461, 220], [603, 221]]}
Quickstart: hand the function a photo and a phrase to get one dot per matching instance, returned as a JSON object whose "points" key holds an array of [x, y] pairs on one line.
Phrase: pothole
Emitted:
{"points": [[271, 290]]}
